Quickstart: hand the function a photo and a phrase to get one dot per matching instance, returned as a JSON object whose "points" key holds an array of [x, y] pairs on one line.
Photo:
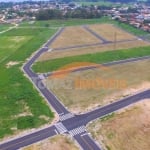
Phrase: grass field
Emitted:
{"points": [[91, 49], [125, 130], [21, 107], [56, 143], [65, 22], [4, 27], [111, 33], [14, 43], [72, 36], [81, 91]]}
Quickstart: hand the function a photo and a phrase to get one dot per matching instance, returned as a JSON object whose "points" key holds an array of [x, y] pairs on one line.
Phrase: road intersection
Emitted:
{"points": [[74, 125]]}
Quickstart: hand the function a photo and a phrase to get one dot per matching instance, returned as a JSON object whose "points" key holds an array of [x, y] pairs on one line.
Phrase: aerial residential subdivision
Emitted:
{"points": [[75, 75]]}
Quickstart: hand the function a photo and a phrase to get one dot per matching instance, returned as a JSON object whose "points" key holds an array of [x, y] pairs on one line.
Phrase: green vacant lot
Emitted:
{"points": [[8, 45], [21, 106]]}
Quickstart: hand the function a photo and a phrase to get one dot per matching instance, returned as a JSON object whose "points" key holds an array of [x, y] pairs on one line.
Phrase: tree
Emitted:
{"points": [[49, 14]]}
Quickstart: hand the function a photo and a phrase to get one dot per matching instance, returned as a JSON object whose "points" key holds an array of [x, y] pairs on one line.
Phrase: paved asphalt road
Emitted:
{"points": [[91, 45], [53, 101], [29, 139], [85, 141], [104, 41], [84, 119], [96, 35], [74, 125]]}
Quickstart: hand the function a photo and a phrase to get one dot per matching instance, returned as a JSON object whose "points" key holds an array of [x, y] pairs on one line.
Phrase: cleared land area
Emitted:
{"points": [[72, 36], [111, 33], [80, 91], [91, 49], [128, 129], [56, 143], [79, 36], [21, 106]]}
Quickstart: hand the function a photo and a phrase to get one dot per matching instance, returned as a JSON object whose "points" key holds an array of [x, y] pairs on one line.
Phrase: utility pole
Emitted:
{"points": [[115, 40]]}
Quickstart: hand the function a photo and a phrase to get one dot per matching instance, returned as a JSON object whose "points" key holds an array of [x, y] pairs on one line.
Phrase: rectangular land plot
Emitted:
{"points": [[125, 130], [111, 33], [72, 36], [91, 49], [82, 90]]}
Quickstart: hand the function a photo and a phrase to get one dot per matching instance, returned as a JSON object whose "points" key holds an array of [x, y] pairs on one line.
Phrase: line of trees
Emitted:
{"points": [[49, 14], [83, 13]]}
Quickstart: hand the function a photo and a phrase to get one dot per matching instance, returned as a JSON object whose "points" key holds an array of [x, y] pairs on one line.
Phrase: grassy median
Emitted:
{"points": [[103, 57]]}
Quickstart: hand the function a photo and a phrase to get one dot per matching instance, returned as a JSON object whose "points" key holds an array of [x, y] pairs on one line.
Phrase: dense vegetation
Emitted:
{"points": [[84, 13]]}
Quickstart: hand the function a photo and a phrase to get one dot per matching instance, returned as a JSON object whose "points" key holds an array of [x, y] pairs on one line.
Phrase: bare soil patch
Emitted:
{"points": [[72, 36], [12, 63], [18, 39], [111, 33]]}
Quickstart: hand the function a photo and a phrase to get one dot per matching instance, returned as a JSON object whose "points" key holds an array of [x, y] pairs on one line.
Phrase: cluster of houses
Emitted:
{"points": [[18, 12], [138, 16]]}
